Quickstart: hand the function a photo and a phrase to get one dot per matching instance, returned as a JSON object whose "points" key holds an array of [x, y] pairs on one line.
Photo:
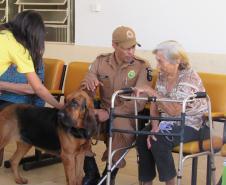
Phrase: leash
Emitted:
{"points": [[97, 135]]}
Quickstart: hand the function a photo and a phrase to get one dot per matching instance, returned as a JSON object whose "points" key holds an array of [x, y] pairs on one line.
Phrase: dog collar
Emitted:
{"points": [[79, 133]]}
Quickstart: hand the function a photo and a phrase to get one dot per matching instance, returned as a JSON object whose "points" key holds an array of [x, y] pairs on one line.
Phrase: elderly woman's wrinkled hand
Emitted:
{"points": [[145, 89], [150, 138]]}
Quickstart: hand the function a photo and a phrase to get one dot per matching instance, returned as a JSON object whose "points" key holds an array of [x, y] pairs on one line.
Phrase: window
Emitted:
{"points": [[3, 10], [58, 16]]}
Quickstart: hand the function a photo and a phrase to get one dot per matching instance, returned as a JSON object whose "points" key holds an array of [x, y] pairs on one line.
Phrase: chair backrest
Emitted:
{"points": [[76, 72], [54, 73], [215, 85]]}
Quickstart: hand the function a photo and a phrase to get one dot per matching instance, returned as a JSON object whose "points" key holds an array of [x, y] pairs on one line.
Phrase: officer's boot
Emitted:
{"points": [[92, 174], [113, 176]]}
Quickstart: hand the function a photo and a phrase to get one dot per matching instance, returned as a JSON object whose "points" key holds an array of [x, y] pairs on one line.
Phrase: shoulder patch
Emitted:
{"points": [[103, 55]]}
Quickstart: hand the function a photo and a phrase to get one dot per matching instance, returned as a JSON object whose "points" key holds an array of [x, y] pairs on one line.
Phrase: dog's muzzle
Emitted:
{"points": [[68, 125], [64, 120]]}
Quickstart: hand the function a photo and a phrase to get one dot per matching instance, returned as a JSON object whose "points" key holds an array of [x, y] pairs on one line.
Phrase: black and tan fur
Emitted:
{"points": [[66, 133]]}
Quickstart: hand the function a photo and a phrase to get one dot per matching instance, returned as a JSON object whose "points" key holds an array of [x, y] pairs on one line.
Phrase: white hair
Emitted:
{"points": [[173, 52]]}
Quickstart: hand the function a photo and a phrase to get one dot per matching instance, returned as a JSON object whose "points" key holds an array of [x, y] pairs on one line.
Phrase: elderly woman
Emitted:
{"points": [[176, 80]]}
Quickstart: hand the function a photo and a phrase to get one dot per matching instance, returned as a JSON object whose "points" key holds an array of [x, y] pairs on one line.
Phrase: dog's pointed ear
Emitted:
{"points": [[90, 122]]}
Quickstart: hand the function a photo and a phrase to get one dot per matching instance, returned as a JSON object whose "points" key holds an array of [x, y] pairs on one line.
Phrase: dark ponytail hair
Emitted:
{"points": [[29, 30]]}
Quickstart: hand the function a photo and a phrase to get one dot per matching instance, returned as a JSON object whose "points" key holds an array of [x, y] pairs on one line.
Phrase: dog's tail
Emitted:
{"points": [[1, 156]]}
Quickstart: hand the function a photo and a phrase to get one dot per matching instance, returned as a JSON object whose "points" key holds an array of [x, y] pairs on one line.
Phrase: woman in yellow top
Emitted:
{"points": [[22, 44]]}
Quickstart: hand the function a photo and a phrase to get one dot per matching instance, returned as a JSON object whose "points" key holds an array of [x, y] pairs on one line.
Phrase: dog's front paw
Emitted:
{"points": [[21, 180]]}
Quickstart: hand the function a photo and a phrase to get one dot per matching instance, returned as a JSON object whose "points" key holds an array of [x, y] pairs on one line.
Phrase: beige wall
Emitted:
{"points": [[205, 62]]}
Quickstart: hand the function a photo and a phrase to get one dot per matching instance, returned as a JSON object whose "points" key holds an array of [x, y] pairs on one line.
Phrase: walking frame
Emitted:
{"points": [[121, 93]]}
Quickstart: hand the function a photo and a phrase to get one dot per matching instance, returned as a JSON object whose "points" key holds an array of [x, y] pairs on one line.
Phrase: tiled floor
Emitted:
{"points": [[54, 175]]}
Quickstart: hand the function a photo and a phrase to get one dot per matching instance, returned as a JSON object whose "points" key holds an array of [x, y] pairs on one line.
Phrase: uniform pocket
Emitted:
{"points": [[105, 80], [130, 82]]}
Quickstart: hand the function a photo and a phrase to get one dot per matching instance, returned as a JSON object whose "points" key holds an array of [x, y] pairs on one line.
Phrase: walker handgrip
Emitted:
{"points": [[152, 98], [126, 90], [200, 95]]}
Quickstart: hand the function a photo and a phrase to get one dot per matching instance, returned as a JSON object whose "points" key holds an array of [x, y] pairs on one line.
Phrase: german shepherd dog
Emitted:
{"points": [[63, 132]]}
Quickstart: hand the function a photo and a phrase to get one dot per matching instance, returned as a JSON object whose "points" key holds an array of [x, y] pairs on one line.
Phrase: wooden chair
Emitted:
{"points": [[54, 77]]}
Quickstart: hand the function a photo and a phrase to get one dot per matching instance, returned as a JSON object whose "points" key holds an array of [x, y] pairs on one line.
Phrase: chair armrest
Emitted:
{"points": [[217, 115], [56, 92]]}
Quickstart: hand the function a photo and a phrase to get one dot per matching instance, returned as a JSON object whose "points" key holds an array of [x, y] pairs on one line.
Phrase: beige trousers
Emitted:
{"points": [[119, 140]]}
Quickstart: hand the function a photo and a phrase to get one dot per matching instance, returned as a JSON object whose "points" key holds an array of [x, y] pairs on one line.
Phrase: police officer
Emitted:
{"points": [[111, 72]]}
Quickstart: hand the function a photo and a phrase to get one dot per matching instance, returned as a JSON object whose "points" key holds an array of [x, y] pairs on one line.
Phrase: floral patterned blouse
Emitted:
{"points": [[188, 83]]}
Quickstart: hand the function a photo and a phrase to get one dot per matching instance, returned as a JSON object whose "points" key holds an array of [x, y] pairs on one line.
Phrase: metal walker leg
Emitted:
{"points": [[182, 158]]}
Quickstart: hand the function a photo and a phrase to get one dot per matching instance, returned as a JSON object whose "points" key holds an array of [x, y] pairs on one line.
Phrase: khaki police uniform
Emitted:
{"points": [[114, 77]]}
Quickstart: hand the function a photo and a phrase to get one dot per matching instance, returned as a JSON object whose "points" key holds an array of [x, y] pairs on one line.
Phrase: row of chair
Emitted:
{"points": [[215, 85], [57, 77]]}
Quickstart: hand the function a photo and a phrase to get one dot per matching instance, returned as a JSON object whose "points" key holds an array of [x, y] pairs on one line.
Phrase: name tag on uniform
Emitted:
{"points": [[102, 77]]}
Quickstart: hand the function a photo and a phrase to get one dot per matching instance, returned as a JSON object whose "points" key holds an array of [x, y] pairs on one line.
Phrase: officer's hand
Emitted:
{"points": [[91, 85]]}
